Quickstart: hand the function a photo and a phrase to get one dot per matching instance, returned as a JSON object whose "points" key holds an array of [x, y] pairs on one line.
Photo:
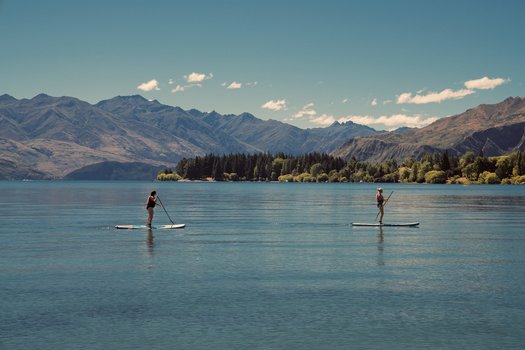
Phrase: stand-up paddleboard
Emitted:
{"points": [[144, 227], [408, 224]]}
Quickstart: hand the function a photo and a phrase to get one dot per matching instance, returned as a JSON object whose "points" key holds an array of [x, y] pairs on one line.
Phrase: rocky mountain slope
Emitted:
{"points": [[49, 137], [488, 129]]}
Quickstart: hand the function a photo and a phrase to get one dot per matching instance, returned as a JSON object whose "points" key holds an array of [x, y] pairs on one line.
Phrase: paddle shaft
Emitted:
{"points": [[162, 205], [383, 205]]}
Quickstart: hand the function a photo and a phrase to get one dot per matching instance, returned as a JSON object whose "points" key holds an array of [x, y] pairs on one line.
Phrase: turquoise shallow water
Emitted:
{"points": [[261, 266]]}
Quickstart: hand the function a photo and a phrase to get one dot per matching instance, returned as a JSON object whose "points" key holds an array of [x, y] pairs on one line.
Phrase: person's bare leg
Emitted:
{"points": [[150, 216]]}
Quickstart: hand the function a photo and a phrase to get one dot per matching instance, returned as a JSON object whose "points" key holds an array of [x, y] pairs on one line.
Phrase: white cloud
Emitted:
{"points": [[374, 102], [237, 85], [391, 122], [150, 85], [234, 85], [345, 100], [433, 97], [197, 77], [180, 88], [171, 81], [485, 83], [276, 105], [324, 119], [307, 110]]}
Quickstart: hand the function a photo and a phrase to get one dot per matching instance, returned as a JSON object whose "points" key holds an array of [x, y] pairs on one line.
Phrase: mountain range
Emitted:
{"points": [[49, 137], [490, 130], [57, 137]]}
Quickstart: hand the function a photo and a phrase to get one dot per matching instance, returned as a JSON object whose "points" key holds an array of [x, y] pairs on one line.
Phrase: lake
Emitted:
{"points": [[261, 266]]}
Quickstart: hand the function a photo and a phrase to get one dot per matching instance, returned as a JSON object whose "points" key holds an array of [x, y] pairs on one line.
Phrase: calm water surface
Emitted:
{"points": [[261, 266]]}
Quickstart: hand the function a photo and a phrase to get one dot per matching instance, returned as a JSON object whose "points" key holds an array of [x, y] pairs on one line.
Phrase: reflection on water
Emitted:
{"points": [[150, 242], [380, 247]]}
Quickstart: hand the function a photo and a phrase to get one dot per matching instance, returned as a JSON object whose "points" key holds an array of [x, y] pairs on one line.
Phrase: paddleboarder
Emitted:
{"points": [[150, 204], [380, 203]]}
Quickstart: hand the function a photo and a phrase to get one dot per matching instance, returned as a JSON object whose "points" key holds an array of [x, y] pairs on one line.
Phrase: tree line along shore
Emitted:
{"points": [[437, 168]]}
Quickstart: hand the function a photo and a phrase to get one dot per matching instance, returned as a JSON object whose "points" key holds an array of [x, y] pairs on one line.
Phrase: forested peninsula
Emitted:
{"points": [[318, 167]]}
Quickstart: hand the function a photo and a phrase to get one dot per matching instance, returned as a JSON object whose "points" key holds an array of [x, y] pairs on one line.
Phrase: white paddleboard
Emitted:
{"points": [[385, 225], [144, 227]]}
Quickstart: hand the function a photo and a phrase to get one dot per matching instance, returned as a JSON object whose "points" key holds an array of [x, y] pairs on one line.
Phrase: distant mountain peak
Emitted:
{"points": [[247, 116], [5, 98], [512, 99], [41, 96], [136, 97], [132, 98], [126, 102], [338, 124], [213, 113]]}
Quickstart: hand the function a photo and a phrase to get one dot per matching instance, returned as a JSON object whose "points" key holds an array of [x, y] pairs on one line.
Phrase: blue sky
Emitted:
{"points": [[308, 63]]}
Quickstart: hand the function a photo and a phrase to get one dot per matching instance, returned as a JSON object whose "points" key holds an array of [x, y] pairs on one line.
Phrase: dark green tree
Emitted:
{"points": [[445, 162]]}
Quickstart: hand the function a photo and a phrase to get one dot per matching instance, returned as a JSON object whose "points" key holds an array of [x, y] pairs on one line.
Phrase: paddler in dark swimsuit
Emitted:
{"points": [[152, 200], [380, 203]]}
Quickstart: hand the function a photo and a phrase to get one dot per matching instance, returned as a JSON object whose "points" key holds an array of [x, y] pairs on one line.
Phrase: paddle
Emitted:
{"points": [[162, 205], [383, 205]]}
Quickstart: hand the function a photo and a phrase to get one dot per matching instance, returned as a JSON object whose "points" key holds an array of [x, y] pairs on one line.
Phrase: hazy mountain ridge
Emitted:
{"points": [[115, 171], [50, 137], [489, 129], [274, 136]]}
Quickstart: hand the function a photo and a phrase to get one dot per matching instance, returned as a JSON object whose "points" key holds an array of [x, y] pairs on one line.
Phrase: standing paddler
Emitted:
{"points": [[150, 204], [380, 203]]}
